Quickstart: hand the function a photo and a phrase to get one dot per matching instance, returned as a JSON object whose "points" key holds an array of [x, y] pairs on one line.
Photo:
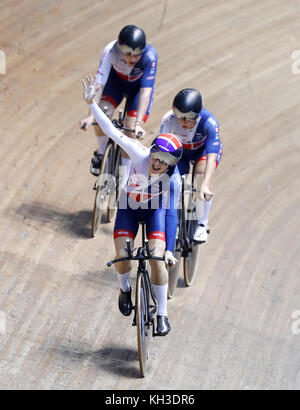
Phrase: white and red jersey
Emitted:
{"points": [[170, 122], [144, 69]]}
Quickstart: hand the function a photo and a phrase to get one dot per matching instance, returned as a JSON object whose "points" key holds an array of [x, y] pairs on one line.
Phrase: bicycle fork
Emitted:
{"points": [[150, 309]]}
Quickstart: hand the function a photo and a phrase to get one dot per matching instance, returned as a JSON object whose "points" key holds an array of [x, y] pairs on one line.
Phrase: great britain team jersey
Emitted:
{"points": [[205, 134], [144, 70], [141, 191], [144, 193]]}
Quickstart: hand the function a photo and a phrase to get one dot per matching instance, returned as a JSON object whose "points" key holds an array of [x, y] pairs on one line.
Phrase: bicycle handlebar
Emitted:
{"points": [[140, 256], [135, 258]]}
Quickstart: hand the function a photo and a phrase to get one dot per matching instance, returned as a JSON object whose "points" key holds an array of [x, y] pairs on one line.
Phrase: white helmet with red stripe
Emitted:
{"points": [[167, 148]]}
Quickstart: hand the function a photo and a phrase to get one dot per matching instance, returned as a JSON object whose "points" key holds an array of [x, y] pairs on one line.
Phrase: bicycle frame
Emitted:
{"points": [[184, 240], [143, 254], [151, 308]]}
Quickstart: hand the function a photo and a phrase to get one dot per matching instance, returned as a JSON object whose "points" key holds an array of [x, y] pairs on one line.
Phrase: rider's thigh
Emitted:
{"points": [[121, 245], [109, 109], [200, 166], [159, 274]]}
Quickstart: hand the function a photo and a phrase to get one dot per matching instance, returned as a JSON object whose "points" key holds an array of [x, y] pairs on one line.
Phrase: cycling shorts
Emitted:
{"points": [[196, 156], [127, 223], [116, 89]]}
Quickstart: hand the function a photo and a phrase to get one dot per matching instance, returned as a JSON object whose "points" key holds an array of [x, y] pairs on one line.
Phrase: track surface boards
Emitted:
{"points": [[233, 328]]}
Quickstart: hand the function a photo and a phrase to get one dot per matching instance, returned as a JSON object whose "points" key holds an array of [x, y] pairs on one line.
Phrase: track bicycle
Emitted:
{"points": [[145, 303], [186, 249]]}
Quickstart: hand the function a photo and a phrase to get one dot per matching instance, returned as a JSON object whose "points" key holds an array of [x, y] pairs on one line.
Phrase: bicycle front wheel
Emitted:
{"points": [[142, 322]]}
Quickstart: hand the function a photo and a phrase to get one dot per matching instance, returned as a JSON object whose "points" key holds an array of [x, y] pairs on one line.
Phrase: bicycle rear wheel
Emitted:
{"points": [[114, 191], [102, 190], [142, 322], [190, 260]]}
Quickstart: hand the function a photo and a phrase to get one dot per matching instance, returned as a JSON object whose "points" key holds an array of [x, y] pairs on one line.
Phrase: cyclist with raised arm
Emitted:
{"points": [[198, 130], [151, 195], [127, 68]]}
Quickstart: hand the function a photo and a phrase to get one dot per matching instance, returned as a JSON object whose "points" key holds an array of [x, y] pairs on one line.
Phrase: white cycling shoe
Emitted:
{"points": [[201, 234]]}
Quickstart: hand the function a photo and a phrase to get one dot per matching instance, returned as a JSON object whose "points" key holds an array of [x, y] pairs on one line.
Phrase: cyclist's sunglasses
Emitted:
{"points": [[163, 157], [129, 51], [188, 116]]}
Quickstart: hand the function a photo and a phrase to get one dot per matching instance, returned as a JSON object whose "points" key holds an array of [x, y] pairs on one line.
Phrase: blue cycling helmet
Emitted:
{"points": [[167, 148]]}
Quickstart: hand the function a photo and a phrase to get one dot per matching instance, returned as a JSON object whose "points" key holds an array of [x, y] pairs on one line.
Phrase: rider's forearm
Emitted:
{"points": [[145, 95], [135, 151], [98, 95], [91, 115], [210, 168]]}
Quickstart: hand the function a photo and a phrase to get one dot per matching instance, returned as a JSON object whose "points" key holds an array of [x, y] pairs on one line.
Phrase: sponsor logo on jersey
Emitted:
{"points": [[157, 235], [212, 121], [123, 233]]}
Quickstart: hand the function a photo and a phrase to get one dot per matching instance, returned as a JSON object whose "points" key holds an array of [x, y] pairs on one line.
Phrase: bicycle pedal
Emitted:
{"points": [[197, 243]]}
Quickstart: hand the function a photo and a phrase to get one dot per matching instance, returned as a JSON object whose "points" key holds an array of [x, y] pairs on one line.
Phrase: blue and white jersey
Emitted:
{"points": [[144, 192], [205, 134]]}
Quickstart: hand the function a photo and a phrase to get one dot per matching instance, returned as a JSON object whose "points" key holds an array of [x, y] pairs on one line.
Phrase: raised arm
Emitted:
{"points": [[136, 151]]}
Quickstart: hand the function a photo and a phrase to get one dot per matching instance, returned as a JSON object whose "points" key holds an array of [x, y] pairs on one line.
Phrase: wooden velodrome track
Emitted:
{"points": [[233, 328]]}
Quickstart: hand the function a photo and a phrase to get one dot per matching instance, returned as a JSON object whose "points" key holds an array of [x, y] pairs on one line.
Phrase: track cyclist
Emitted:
{"points": [[151, 195], [127, 68], [198, 129]]}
